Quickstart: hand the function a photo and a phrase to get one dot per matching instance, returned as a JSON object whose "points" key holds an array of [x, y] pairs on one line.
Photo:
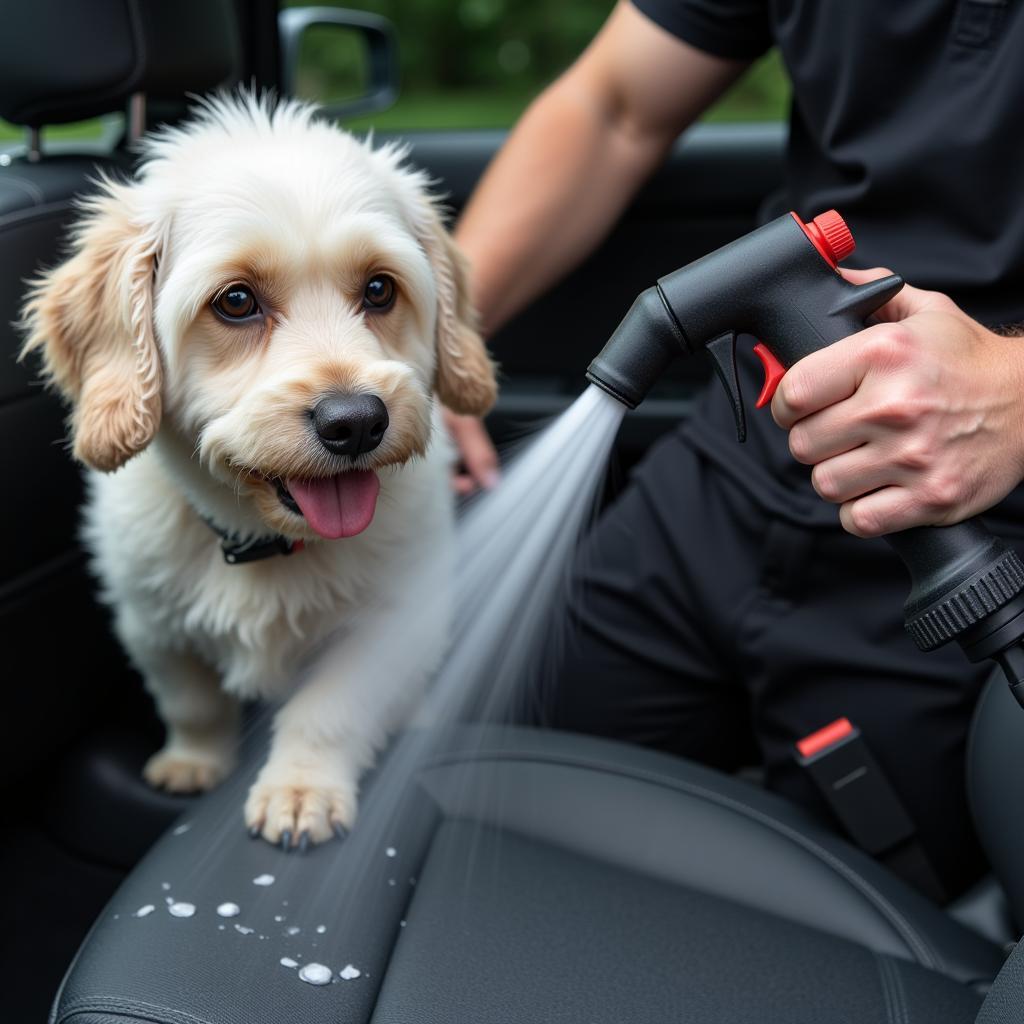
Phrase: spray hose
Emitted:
{"points": [[780, 284]]}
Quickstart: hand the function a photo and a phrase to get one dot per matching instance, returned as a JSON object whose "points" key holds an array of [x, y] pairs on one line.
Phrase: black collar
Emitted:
{"points": [[238, 550]]}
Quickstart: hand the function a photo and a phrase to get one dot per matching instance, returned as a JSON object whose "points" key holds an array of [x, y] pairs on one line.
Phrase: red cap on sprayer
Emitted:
{"points": [[830, 236]]}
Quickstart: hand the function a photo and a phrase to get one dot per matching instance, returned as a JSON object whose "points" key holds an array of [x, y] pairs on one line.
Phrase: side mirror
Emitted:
{"points": [[347, 61]]}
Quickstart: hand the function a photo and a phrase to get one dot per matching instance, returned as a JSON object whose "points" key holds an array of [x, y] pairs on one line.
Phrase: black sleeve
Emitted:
{"points": [[737, 29]]}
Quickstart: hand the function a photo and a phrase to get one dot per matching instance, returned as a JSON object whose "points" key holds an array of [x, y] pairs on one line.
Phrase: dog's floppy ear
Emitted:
{"points": [[91, 318], [465, 374]]}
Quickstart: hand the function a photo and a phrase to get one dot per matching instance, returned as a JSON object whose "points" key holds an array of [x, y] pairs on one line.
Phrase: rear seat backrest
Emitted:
{"points": [[60, 61]]}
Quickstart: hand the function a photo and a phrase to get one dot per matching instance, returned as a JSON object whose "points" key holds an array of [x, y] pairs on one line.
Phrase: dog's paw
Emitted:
{"points": [[294, 806], [184, 771]]}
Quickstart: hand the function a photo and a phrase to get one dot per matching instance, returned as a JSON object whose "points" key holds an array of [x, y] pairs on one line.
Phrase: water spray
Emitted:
{"points": [[780, 284]]}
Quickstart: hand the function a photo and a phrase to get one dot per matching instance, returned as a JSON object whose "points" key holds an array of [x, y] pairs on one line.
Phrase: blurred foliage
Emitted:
{"points": [[92, 130], [333, 65], [462, 45], [472, 64], [478, 63]]}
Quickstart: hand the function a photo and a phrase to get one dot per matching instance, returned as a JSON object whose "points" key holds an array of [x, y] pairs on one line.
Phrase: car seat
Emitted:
{"points": [[62, 62], [535, 875]]}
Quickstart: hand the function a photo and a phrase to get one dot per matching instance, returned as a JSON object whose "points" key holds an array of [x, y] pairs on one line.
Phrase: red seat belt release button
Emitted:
{"points": [[774, 371], [825, 737]]}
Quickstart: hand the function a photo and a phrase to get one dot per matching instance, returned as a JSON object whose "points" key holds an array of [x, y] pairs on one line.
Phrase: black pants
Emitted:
{"points": [[705, 626]]}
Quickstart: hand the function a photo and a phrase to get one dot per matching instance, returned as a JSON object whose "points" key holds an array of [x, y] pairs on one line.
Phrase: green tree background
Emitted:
{"points": [[472, 64], [478, 63]]}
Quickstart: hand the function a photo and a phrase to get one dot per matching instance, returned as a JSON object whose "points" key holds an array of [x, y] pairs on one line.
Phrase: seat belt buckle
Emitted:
{"points": [[854, 786]]}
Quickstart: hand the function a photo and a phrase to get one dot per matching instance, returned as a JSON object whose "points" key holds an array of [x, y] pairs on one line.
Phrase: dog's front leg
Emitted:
{"points": [[202, 722], [362, 690]]}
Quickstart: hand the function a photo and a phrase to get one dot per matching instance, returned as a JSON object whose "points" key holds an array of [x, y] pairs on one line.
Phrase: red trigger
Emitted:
{"points": [[774, 371]]}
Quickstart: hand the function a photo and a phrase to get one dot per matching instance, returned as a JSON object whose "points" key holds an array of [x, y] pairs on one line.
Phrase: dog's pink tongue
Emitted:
{"points": [[338, 506]]}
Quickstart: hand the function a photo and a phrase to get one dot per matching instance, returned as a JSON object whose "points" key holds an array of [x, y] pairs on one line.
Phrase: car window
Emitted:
{"points": [[469, 64], [465, 64], [99, 133]]}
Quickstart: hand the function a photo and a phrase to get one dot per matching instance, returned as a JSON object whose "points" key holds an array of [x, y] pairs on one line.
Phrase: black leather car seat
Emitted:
{"points": [[63, 61], [534, 876]]}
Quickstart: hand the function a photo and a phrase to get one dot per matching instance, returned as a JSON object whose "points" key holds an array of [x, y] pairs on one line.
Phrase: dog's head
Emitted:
{"points": [[278, 293]]}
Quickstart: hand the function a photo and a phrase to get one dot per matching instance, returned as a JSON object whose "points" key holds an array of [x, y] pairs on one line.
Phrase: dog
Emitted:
{"points": [[252, 335]]}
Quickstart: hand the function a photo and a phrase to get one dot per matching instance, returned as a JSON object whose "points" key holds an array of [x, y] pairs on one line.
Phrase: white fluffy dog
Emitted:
{"points": [[251, 334]]}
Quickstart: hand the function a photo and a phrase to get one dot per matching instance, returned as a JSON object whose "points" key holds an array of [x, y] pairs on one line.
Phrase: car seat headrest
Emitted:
{"points": [[65, 60]]}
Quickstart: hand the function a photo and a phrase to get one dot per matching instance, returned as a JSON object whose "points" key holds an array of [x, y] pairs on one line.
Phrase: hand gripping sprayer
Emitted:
{"points": [[780, 284]]}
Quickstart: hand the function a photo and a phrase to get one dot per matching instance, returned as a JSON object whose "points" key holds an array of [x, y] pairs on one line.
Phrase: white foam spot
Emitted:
{"points": [[229, 910], [166, 886], [315, 974], [242, 930], [168, 900], [220, 927], [391, 852], [279, 918], [287, 961], [263, 880], [349, 973], [292, 930], [145, 911], [391, 881], [181, 829], [182, 909], [402, 924], [321, 928]]}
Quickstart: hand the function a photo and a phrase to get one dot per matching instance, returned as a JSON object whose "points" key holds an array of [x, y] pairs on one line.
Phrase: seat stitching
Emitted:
{"points": [[882, 966], [925, 954], [899, 994], [16, 218], [24, 183], [117, 1005]]}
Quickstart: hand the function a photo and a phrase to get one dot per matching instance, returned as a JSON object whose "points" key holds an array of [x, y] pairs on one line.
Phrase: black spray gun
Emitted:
{"points": [[780, 284]]}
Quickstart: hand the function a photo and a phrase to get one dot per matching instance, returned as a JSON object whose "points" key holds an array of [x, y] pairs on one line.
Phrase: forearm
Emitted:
{"points": [[578, 156], [551, 195]]}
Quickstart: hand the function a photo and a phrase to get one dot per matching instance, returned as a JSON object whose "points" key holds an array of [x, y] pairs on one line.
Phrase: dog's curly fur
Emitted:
{"points": [[183, 417]]}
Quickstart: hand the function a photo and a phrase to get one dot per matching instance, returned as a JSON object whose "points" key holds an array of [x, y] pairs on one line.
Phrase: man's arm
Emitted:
{"points": [[918, 420], [569, 168], [579, 154]]}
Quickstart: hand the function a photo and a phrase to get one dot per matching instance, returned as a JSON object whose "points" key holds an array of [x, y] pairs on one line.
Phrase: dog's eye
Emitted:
{"points": [[236, 303], [379, 293]]}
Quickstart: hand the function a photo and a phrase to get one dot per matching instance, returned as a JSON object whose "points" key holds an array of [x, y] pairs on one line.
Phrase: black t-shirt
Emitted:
{"points": [[908, 117]]}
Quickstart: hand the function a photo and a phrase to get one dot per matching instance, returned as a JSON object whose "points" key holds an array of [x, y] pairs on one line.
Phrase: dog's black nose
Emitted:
{"points": [[350, 424]]}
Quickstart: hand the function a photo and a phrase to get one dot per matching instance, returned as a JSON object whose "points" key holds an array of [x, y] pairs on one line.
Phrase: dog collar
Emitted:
{"points": [[238, 550]]}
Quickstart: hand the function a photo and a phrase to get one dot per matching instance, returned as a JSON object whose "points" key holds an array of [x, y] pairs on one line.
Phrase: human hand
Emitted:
{"points": [[478, 461], [917, 420]]}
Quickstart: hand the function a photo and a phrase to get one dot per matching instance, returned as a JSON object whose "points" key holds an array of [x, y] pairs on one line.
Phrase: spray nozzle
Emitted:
{"points": [[639, 351], [778, 284]]}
